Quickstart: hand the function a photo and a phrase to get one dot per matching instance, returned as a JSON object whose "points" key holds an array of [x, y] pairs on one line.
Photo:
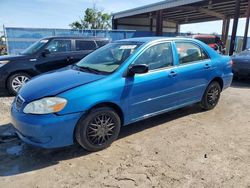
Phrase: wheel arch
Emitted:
{"points": [[116, 107], [219, 80], [16, 72]]}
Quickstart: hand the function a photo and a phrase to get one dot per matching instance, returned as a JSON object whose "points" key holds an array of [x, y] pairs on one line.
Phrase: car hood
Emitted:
{"points": [[12, 57], [53, 83]]}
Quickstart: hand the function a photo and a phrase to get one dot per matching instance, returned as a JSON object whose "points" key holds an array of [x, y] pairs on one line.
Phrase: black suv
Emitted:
{"points": [[45, 55]]}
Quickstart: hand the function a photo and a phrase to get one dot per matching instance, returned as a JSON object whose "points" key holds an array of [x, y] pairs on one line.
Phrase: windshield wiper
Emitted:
{"points": [[82, 68]]}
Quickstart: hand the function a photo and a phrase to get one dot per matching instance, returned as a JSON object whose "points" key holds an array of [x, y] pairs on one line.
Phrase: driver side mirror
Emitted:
{"points": [[45, 52], [137, 69]]}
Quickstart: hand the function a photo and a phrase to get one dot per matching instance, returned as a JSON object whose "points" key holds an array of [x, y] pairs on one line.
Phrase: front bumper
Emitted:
{"points": [[3, 78], [46, 131]]}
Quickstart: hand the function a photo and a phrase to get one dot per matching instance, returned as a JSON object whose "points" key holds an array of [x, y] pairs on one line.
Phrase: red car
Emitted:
{"points": [[213, 41]]}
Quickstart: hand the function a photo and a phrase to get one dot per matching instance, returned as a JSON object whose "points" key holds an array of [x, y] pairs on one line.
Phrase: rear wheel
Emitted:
{"points": [[16, 81], [211, 96], [98, 129]]}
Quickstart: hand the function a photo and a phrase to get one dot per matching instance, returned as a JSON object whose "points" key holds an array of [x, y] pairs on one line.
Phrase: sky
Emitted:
{"points": [[60, 13]]}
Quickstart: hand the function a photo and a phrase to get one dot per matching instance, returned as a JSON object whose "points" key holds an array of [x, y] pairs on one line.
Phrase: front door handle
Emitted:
{"points": [[172, 74], [207, 66], [70, 58]]}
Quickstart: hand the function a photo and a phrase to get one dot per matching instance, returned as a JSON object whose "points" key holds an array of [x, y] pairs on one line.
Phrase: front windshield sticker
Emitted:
{"points": [[44, 41], [126, 47]]}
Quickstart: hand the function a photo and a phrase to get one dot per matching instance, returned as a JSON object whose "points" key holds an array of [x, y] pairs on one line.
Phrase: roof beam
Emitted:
{"points": [[212, 13], [205, 11]]}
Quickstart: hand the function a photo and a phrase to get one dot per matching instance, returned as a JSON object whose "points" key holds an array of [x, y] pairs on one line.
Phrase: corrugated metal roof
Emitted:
{"points": [[154, 7], [187, 11]]}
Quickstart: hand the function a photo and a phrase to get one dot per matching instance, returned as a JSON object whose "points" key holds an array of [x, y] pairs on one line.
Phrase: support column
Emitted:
{"points": [[246, 27], [235, 25], [114, 23], [151, 22], [225, 29], [159, 22], [177, 29]]}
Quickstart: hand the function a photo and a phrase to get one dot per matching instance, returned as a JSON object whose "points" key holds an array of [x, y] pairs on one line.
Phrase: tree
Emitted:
{"points": [[93, 19]]}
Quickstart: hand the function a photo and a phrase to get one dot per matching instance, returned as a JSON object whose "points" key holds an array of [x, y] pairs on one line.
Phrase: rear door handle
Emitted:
{"points": [[172, 74], [207, 66]]}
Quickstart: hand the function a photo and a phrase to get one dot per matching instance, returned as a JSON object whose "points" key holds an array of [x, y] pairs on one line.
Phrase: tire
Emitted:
{"points": [[93, 134], [211, 96], [16, 81]]}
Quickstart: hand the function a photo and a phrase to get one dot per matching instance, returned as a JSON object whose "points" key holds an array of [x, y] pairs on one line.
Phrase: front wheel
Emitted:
{"points": [[211, 96], [98, 129], [16, 81]]}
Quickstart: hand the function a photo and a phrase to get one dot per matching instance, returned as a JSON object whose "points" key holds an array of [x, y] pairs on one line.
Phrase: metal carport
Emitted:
{"points": [[168, 15]]}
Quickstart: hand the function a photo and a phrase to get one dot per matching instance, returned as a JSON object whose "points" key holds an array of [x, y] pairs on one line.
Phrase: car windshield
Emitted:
{"points": [[108, 58], [34, 47]]}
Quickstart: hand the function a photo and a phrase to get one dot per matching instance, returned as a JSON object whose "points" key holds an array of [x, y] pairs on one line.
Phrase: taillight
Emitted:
{"points": [[231, 62]]}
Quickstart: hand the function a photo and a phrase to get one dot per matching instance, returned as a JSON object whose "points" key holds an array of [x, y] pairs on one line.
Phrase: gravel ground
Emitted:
{"points": [[5, 102], [183, 148]]}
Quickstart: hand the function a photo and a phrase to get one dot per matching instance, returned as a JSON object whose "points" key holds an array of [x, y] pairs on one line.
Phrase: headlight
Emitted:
{"points": [[45, 106], [2, 63]]}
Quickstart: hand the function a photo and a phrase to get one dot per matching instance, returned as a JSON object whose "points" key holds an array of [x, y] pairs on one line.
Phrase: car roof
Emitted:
{"points": [[204, 36], [77, 37], [151, 39]]}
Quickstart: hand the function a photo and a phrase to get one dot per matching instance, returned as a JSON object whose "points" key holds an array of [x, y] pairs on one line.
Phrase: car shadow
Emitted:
{"points": [[17, 157], [4, 93], [242, 83]]}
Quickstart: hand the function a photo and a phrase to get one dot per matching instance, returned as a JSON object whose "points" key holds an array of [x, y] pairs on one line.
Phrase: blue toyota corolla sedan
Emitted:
{"points": [[118, 84]]}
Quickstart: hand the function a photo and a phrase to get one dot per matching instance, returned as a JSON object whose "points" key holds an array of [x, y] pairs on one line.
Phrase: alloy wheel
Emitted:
{"points": [[18, 82], [213, 95], [100, 129]]}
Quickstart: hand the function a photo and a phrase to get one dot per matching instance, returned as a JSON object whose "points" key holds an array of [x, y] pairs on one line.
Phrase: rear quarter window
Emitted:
{"points": [[85, 45], [189, 52]]}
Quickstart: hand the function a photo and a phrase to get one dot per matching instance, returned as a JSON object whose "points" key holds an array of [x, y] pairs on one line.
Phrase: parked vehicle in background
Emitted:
{"points": [[213, 41], [3, 49], [241, 64], [45, 55], [121, 83]]}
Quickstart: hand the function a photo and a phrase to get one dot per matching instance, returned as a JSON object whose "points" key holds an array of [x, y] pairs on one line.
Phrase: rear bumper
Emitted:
{"points": [[227, 80], [46, 131]]}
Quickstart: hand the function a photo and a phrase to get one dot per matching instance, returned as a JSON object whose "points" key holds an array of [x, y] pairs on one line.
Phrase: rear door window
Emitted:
{"points": [[189, 52], [85, 45]]}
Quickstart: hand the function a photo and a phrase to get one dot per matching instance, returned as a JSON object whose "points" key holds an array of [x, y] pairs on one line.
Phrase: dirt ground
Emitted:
{"points": [[183, 148]]}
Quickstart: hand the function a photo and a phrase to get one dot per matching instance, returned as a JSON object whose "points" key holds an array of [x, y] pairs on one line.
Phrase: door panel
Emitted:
{"points": [[195, 68], [53, 62], [155, 91], [151, 93], [77, 56], [192, 80]]}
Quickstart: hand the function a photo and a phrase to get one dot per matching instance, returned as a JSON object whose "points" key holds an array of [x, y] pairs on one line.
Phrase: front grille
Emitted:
{"points": [[19, 102]]}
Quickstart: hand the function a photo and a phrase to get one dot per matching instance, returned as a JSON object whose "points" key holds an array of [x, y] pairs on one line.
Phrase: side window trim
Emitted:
{"points": [[162, 68]]}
